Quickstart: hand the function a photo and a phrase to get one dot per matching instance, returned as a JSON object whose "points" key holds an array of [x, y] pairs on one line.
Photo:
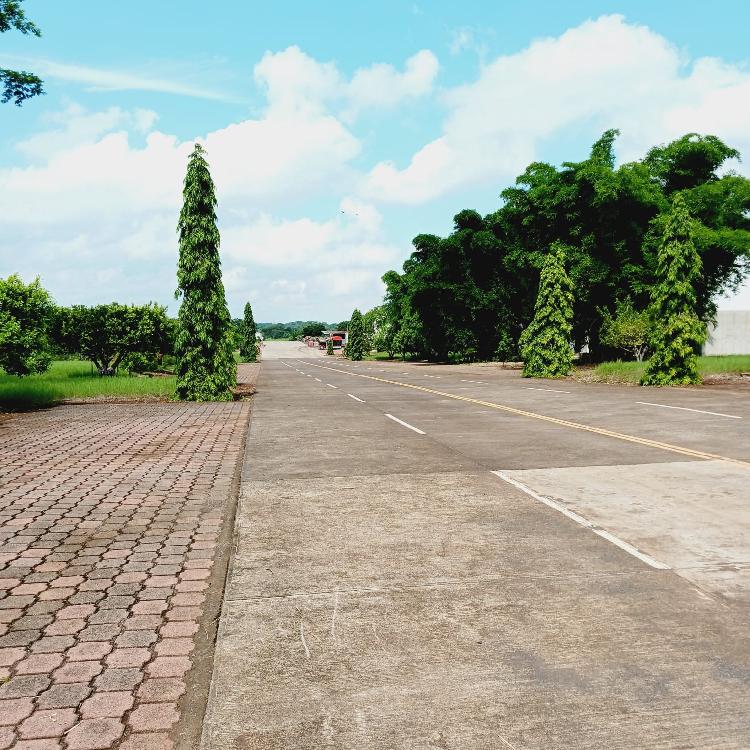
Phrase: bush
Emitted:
{"points": [[629, 330], [25, 313]]}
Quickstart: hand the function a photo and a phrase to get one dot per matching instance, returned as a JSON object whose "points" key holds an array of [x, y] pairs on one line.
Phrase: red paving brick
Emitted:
{"points": [[110, 516]]}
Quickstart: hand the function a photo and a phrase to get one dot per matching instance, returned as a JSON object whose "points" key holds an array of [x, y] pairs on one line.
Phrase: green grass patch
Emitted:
{"points": [[77, 380], [630, 372]]}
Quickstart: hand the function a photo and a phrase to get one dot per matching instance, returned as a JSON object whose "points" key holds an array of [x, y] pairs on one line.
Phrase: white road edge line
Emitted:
{"points": [[361, 400], [623, 545], [685, 408], [405, 424], [551, 390], [332, 386]]}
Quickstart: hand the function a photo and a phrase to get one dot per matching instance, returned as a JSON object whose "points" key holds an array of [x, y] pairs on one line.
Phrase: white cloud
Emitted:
{"points": [[93, 207], [99, 79], [296, 82], [75, 126], [601, 74]]}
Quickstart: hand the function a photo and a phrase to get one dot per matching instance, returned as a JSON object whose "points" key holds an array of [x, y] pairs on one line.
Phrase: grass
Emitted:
{"points": [[630, 372], [72, 379]]}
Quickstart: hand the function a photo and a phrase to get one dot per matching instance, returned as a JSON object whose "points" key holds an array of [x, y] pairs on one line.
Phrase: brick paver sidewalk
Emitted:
{"points": [[114, 521]]}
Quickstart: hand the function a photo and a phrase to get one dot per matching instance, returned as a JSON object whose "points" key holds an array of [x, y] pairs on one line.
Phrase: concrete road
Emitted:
{"points": [[287, 349], [436, 557]]}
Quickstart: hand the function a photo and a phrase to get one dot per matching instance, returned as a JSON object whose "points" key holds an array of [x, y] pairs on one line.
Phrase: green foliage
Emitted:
{"points": [[632, 372], [329, 347], [17, 85], [78, 380], [628, 329], [106, 334], [248, 340], [205, 369], [25, 314], [678, 333], [356, 345], [545, 344], [473, 291], [409, 336], [312, 329]]}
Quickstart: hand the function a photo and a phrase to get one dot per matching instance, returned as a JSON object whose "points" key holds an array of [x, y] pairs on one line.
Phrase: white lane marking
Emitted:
{"points": [[405, 424], [478, 382], [551, 390], [629, 548], [685, 408], [332, 386], [361, 400], [319, 380]]}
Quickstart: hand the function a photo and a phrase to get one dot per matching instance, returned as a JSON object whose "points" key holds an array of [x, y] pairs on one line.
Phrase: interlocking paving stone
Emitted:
{"points": [[110, 516]]}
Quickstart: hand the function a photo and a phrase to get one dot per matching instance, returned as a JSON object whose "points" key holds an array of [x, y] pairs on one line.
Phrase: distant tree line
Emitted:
{"points": [[470, 295]]}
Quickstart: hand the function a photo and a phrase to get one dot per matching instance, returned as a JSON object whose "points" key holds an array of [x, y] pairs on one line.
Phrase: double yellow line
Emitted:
{"points": [[553, 420]]}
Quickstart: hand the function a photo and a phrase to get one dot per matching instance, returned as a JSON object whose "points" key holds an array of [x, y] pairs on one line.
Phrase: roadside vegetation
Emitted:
{"points": [[632, 372], [75, 379], [649, 246]]}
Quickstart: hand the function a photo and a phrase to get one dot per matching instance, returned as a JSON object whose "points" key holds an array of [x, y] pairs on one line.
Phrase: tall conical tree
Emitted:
{"points": [[248, 340], [205, 369], [545, 343], [678, 332], [355, 342]]}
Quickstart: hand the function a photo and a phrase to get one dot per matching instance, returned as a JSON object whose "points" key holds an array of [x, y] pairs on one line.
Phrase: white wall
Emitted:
{"points": [[731, 335]]}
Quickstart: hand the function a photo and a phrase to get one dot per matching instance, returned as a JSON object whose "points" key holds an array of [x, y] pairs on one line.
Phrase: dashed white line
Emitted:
{"points": [[405, 424], [361, 400], [573, 516], [685, 408], [332, 386], [551, 390], [319, 380]]}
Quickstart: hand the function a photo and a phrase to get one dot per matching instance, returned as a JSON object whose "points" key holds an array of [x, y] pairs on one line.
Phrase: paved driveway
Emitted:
{"points": [[115, 522]]}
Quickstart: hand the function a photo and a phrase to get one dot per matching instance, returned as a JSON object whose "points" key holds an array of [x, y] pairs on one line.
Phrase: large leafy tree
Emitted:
{"points": [[248, 339], [355, 343], [546, 343], [474, 290], [205, 369], [17, 85], [677, 331], [25, 316], [106, 334]]}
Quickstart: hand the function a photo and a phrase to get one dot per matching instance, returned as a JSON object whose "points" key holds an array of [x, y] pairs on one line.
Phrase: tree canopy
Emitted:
{"points": [[473, 292], [205, 369], [677, 331], [106, 334], [17, 85], [25, 316], [248, 339]]}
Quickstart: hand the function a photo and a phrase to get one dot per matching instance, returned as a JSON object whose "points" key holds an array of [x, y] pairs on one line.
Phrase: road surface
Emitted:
{"points": [[447, 557]]}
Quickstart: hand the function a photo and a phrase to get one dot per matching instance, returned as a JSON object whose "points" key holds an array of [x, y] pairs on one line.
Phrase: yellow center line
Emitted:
{"points": [[554, 420]]}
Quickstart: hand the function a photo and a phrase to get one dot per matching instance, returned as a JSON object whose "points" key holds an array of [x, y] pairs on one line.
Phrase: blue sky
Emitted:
{"points": [[336, 131]]}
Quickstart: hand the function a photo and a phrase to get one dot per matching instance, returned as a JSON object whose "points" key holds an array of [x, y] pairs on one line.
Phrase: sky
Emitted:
{"points": [[335, 131]]}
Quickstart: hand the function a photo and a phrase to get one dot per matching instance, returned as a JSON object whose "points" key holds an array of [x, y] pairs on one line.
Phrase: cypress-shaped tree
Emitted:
{"points": [[205, 369], [545, 342], [329, 347], [355, 344], [677, 331], [248, 340]]}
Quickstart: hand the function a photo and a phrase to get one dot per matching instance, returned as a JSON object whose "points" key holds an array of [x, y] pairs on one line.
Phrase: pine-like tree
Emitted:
{"points": [[329, 347], [248, 339], [355, 344], [205, 369], [545, 343], [677, 331]]}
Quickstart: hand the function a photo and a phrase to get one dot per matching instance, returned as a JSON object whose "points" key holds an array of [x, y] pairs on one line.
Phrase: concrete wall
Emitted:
{"points": [[731, 335]]}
